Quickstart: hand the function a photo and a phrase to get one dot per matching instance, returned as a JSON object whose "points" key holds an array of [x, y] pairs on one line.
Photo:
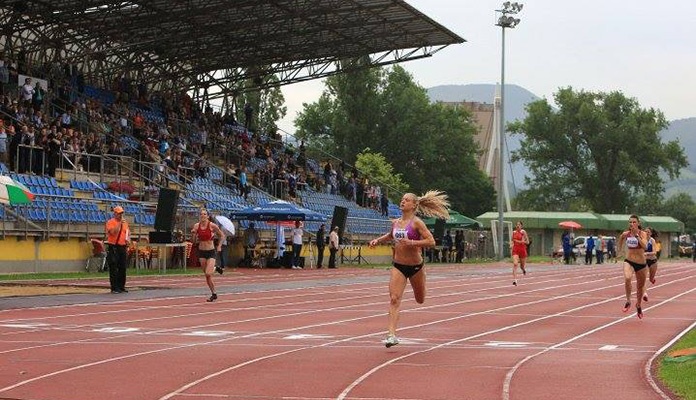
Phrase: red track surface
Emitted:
{"points": [[317, 334]]}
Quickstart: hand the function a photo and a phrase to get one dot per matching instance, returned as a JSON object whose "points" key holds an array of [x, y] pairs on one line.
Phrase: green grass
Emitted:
{"points": [[679, 376]]}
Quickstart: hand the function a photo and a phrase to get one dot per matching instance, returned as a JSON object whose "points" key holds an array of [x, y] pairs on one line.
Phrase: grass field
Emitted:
{"points": [[680, 377]]}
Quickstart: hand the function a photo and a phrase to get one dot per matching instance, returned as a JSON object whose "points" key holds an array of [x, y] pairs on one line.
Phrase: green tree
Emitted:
{"points": [[268, 104], [596, 151], [315, 125], [345, 118], [683, 208], [430, 145], [376, 166], [271, 107]]}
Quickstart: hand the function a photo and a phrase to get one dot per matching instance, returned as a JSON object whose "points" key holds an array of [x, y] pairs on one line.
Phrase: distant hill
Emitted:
{"points": [[683, 130], [516, 98]]}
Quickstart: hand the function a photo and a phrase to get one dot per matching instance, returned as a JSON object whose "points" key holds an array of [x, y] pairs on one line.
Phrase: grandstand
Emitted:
{"points": [[100, 139]]}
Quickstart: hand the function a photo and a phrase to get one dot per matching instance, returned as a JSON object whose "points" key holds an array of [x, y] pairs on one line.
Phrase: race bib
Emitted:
{"points": [[400, 234]]}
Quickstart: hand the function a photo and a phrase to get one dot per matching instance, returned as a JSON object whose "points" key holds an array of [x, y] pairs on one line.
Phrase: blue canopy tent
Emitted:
{"points": [[278, 211]]}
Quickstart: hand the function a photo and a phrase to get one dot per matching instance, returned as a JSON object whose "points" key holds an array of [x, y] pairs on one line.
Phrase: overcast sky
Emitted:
{"points": [[644, 48]]}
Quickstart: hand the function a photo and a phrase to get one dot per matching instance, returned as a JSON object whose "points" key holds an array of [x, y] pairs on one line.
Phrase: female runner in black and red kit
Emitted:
{"points": [[203, 233]]}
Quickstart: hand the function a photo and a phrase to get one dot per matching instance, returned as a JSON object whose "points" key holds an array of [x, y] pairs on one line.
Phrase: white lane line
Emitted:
{"points": [[509, 375], [166, 331], [326, 344], [104, 361], [269, 356], [648, 365], [355, 383]]}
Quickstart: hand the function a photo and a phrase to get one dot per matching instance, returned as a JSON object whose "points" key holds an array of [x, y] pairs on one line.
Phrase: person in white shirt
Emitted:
{"points": [[297, 234], [27, 92], [223, 256], [334, 243]]}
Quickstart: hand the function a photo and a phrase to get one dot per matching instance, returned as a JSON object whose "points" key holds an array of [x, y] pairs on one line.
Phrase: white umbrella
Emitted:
{"points": [[225, 224], [13, 192]]}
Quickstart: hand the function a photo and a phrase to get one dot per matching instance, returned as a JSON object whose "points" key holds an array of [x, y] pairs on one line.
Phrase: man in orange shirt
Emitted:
{"points": [[118, 236]]}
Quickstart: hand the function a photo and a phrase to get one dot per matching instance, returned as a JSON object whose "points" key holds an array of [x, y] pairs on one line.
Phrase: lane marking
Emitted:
{"points": [[648, 365], [208, 333], [116, 329], [191, 384], [355, 383], [300, 336], [511, 345], [29, 325], [508, 376], [323, 324]]}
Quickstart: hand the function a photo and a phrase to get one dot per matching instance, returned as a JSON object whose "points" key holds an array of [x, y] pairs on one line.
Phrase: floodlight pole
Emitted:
{"points": [[503, 22]]}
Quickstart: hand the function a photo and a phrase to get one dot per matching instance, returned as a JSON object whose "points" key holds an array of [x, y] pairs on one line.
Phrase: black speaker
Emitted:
{"points": [[439, 232], [339, 219], [286, 261], [161, 237], [166, 209]]}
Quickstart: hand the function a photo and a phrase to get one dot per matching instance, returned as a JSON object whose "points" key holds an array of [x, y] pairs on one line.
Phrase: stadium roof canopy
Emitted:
{"points": [[215, 44]]}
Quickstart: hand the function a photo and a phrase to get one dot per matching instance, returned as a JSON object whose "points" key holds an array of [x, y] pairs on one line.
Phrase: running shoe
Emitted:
{"points": [[391, 340], [212, 298], [219, 270], [652, 280], [645, 297], [639, 312], [524, 271], [514, 283], [626, 306]]}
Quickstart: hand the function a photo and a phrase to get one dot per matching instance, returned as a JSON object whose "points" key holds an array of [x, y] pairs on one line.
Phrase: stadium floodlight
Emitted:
{"points": [[506, 20]]}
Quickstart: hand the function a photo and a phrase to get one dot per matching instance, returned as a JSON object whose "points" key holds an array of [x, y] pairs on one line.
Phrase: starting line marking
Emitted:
{"points": [[512, 345], [613, 347], [301, 336]]}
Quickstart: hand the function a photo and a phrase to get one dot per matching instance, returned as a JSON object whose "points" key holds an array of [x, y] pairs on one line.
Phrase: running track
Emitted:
{"points": [[316, 334]]}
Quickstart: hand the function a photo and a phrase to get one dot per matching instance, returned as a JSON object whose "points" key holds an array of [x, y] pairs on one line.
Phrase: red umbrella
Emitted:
{"points": [[569, 225]]}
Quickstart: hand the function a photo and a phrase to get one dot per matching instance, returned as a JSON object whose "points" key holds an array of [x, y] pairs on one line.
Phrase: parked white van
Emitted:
{"points": [[579, 244]]}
